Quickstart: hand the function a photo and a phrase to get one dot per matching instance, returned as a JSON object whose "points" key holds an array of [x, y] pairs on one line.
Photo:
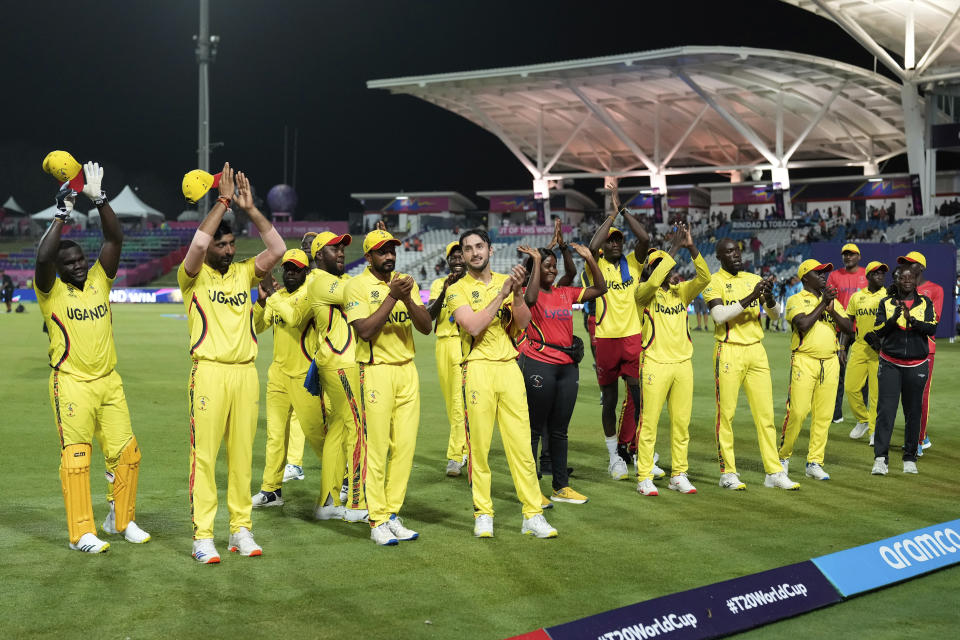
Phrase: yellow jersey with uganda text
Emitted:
{"points": [[294, 329], [729, 288], [394, 342], [497, 342], [336, 345], [445, 327], [666, 329], [220, 312], [80, 325], [863, 309], [820, 340], [617, 315]]}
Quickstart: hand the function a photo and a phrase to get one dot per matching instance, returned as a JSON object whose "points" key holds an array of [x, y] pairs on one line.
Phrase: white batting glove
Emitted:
{"points": [[93, 179]]}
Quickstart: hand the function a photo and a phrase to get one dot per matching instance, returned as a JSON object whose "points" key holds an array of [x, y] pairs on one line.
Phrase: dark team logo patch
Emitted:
{"points": [[333, 286], [474, 397], [729, 286], [71, 410], [374, 295], [649, 378], [475, 295], [536, 381], [203, 402], [373, 396]]}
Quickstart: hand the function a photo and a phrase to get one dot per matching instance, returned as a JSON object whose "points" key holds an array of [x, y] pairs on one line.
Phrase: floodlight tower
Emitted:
{"points": [[206, 53]]}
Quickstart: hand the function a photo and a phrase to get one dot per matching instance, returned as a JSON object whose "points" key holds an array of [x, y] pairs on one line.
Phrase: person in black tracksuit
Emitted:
{"points": [[905, 319]]}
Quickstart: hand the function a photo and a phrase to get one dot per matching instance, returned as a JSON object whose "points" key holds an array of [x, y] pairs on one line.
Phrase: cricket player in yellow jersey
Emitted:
{"points": [[733, 298], [863, 362], [816, 316], [336, 358], [449, 357], [383, 307], [491, 312], [86, 392], [290, 314], [223, 391], [618, 334], [666, 370]]}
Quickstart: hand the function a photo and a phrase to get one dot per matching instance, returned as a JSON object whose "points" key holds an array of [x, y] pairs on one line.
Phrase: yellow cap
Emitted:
{"points": [[614, 230], [812, 265], [62, 166], [376, 239], [876, 264], [297, 257], [450, 247], [913, 256], [850, 247], [656, 254], [196, 183], [321, 240]]}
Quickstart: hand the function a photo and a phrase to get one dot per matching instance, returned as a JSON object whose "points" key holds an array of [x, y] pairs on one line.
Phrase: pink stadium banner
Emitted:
{"points": [[418, 205], [528, 230], [297, 228], [509, 204], [753, 195]]}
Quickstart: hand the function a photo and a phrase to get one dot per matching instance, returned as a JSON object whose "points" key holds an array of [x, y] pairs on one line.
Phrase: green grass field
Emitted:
{"points": [[327, 580]]}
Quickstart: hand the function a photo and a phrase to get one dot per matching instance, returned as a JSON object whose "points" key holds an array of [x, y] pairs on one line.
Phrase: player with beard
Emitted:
{"points": [[449, 357], [223, 390], [739, 359], [86, 392], [384, 307], [345, 446], [290, 314], [618, 330]]}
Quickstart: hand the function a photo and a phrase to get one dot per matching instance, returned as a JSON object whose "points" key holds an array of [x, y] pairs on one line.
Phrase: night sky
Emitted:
{"points": [[116, 81]]}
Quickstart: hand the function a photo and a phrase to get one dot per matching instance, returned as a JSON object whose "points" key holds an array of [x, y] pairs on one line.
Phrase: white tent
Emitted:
{"points": [[13, 205], [47, 214], [127, 205]]}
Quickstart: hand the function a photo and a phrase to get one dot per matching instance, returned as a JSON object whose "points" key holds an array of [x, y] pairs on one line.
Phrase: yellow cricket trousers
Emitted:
{"points": [[391, 406], [295, 441], [346, 442], [449, 355], [495, 392], [286, 395], [224, 402], [863, 365], [813, 390], [663, 382], [88, 409], [736, 365]]}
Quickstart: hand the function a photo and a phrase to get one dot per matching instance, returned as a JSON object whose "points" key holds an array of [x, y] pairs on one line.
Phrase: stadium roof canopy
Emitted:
{"points": [[925, 34], [675, 111]]}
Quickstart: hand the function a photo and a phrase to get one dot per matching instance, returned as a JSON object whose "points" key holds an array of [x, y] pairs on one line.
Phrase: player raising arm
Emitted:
{"points": [[86, 391], [223, 391]]}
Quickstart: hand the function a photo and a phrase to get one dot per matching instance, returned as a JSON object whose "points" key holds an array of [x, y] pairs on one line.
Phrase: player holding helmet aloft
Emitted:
{"points": [[666, 371], [618, 331], [223, 391], [733, 297], [86, 391]]}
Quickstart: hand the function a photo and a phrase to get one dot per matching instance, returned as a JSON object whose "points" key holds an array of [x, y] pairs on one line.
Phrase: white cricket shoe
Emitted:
{"points": [[838, 420], [538, 526], [879, 467], [344, 489], [483, 526], [399, 531], [780, 480], [655, 470], [132, 533], [645, 488], [292, 472], [89, 543], [267, 499], [909, 466], [681, 483], [355, 515], [242, 542], [815, 471], [329, 512], [204, 551], [732, 482], [382, 535], [453, 468], [618, 469], [857, 432]]}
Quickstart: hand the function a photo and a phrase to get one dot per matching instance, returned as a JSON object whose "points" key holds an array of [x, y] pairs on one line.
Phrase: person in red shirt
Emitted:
{"points": [[846, 281], [932, 290], [549, 372]]}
